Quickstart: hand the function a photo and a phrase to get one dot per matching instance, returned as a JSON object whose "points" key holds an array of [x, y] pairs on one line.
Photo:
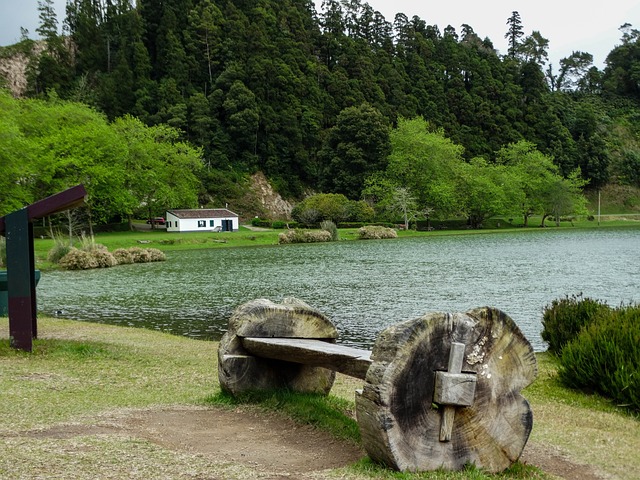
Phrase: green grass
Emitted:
{"points": [[80, 373], [67, 377]]}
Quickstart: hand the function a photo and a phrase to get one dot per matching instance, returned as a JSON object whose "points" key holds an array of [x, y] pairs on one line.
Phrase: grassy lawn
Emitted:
{"points": [[82, 374]]}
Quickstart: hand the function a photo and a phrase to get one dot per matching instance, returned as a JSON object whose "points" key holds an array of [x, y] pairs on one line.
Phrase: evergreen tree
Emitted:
{"points": [[514, 34]]}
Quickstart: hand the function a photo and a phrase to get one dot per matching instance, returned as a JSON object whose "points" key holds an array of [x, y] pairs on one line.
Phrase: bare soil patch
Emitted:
{"points": [[265, 442], [551, 460], [268, 443]]}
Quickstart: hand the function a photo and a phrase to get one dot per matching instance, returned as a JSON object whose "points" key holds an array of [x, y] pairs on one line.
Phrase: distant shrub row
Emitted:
{"points": [[97, 256], [279, 224], [275, 224], [598, 347]]}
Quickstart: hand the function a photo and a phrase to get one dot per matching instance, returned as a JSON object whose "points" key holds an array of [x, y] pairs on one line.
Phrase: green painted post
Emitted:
{"points": [[21, 280]]}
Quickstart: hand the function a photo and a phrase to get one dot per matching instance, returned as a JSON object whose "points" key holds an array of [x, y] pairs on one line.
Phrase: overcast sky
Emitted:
{"points": [[568, 24]]}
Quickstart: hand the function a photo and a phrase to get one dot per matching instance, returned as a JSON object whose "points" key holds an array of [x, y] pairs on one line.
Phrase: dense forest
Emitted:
{"points": [[327, 101]]}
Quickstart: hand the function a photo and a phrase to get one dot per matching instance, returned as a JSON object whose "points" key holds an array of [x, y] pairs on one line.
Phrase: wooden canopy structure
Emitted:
{"points": [[17, 227]]}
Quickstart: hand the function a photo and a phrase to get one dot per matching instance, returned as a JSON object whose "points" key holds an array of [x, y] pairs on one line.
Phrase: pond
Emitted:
{"points": [[363, 286]]}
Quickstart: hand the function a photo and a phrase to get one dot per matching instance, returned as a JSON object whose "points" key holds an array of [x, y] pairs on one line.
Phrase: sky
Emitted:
{"points": [[569, 25]]}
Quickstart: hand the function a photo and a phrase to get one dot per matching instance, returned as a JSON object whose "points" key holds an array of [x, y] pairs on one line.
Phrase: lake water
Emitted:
{"points": [[363, 286]]}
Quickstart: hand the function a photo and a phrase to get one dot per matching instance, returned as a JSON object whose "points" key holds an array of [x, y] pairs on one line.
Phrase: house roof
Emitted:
{"points": [[203, 213]]}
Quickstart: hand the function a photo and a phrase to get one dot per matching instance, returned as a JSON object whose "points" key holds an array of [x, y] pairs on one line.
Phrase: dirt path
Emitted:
{"points": [[273, 446]]}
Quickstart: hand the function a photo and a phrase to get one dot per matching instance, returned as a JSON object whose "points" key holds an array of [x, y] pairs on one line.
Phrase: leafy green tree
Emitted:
{"points": [[486, 190], [534, 48], [573, 71], [242, 118], [630, 167], [533, 171], [426, 163], [17, 158], [322, 206], [378, 194], [206, 22], [161, 171], [564, 196], [54, 70]]}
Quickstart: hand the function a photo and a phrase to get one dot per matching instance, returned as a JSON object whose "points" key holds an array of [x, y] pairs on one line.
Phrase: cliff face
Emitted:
{"points": [[13, 67], [270, 200]]}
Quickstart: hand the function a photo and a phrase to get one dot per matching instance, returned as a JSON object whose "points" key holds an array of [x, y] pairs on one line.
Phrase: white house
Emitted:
{"points": [[202, 220]]}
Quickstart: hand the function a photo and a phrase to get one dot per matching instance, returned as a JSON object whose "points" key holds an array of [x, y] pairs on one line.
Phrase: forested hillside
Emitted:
{"points": [[313, 99]]}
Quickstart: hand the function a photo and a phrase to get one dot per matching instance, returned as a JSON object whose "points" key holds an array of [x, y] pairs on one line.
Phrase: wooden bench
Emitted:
{"points": [[440, 391]]}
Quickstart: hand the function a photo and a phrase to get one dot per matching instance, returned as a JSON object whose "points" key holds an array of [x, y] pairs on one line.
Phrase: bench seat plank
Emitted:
{"points": [[348, 360]]}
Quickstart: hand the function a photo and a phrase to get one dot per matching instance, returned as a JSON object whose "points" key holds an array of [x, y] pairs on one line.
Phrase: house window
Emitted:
{"points": [[202, 223], [212, 223]]}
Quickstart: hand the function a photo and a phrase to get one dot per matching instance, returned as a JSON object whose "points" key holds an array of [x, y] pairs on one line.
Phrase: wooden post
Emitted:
{"points": [[21, 283]]}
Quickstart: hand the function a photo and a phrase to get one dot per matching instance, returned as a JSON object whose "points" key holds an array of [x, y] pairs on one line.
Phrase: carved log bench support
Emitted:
{"points": [[440, 391]]}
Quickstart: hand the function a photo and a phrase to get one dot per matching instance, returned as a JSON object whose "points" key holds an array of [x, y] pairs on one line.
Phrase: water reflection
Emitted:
{"points": [[362, 286]]}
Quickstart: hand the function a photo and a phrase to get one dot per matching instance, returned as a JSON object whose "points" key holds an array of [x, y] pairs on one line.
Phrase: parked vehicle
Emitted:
{"points": [[156, 221]]}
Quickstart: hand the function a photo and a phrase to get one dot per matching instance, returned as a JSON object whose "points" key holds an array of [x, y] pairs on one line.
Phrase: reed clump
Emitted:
{"points": [[304, 236], [376, 232], [94, 255]]}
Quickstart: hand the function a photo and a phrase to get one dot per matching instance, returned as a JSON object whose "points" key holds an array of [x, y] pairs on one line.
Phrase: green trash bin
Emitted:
{"points": [[4, 292]]}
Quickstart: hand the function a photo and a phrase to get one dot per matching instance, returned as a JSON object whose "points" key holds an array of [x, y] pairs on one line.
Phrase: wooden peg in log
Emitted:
{"points": [[453, 388]]}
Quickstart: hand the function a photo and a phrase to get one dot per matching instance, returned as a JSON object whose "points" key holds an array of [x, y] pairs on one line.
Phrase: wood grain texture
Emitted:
{"points": [[240, 372], [341, 358], [399, 422]]}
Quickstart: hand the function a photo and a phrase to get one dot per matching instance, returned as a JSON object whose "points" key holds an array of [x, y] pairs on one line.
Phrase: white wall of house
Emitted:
{"points": [[204, 224]]}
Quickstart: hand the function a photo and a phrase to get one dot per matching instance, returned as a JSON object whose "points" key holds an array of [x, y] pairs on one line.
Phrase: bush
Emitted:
{"points": [[278, 224], [373, 232], [329, 226], [564, 318], [605, 357], [123, 256], [260, 222], [139, 255], [304, 236], [103, 258], [99, 257], [155, 255], [77, 259]]}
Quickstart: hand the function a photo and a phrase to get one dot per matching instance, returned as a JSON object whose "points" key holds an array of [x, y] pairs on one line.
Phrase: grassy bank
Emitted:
{"points": [[84, 375], [246, 237]]}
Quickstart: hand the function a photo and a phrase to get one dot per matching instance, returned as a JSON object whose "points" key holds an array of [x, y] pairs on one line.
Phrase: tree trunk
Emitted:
{"points": [[401, 424], [239, 371]]}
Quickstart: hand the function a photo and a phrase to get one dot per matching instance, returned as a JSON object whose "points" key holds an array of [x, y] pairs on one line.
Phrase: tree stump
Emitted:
{"points": [[239, 371], [482, 418]]}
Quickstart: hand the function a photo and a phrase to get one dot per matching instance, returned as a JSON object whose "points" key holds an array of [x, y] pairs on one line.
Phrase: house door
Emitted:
{"points": [[227, 225]]}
